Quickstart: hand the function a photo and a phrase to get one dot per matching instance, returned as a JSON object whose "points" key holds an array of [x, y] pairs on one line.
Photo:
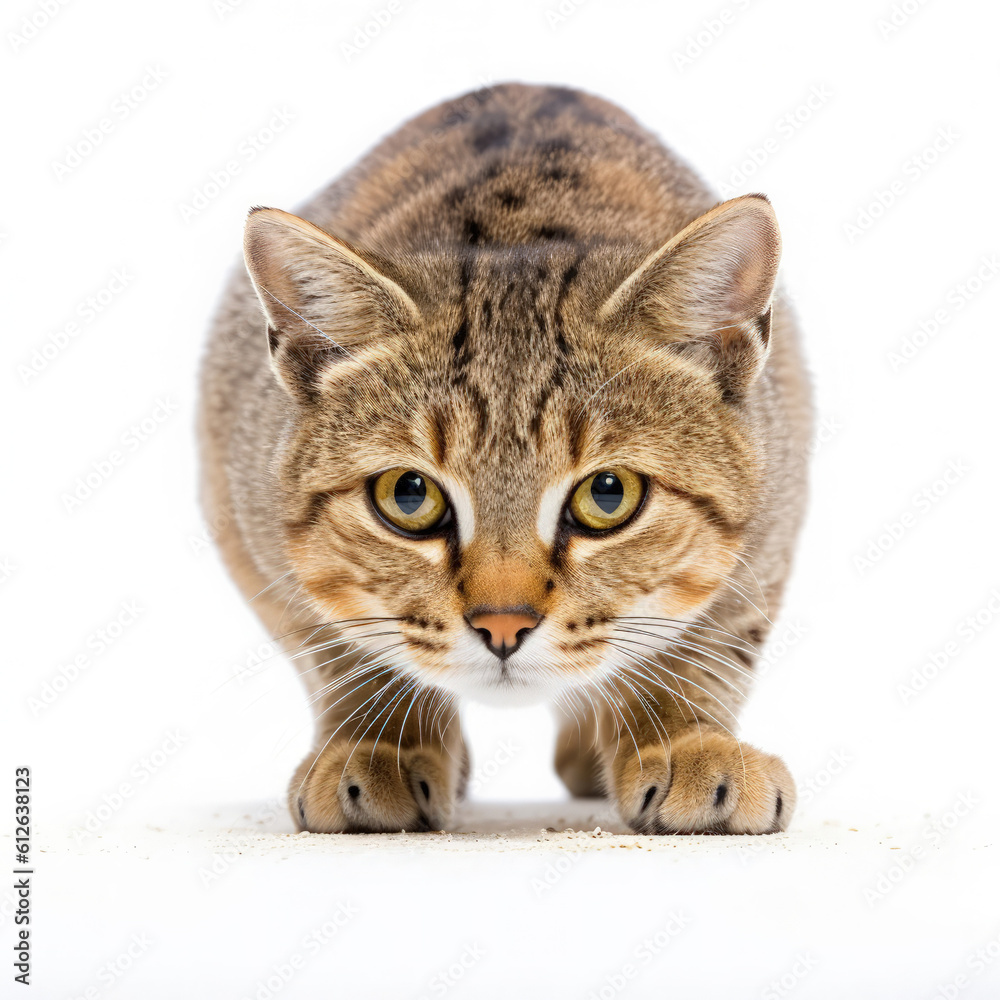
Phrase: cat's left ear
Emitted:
{"points": [[320, 295], [708, 291]]}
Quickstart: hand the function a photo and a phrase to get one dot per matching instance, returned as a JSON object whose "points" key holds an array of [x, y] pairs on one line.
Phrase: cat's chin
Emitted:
{"points": [[506, 695], [529, 677], [513, 688]]}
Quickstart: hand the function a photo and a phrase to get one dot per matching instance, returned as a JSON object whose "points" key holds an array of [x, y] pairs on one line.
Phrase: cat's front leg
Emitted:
{"points": [[394, 760], [672, 764]]}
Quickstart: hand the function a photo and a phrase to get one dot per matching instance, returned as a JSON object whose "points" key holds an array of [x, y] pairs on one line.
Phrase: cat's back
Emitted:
{"points": [[513, 165]]}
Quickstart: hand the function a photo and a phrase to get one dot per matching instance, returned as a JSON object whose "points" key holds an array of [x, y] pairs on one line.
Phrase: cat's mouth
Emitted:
{"points": [[535, 672]]}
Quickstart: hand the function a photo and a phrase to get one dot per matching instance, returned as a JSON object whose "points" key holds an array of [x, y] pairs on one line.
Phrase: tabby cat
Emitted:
{"points": [[512, 411]]}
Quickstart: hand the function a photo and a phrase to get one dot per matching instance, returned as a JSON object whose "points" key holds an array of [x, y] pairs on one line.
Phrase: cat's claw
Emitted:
{"points": [[371, 787], [702, 782]]}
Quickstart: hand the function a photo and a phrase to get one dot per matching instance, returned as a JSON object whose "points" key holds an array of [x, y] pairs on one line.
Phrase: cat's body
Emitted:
{"points": [[508, 321]]}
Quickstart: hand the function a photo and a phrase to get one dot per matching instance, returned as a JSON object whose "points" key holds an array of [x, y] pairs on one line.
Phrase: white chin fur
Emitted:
{"points": [[526, 678], [501, 696], [522, 679]]}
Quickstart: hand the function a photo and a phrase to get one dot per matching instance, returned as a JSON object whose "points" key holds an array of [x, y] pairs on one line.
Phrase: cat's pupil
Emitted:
{"points": [[607, 491], [410, 492]]}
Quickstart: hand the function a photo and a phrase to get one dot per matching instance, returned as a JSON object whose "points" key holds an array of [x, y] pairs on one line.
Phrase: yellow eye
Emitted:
{"points": [[410, 500], [607, 498]]}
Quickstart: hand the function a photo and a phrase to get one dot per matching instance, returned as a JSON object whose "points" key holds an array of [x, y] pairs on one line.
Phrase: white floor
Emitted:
{"points": [[540, 900]]}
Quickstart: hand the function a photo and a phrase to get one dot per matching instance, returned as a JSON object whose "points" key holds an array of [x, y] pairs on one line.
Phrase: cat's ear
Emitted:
{"points": [[708, 291], [320, 296]]}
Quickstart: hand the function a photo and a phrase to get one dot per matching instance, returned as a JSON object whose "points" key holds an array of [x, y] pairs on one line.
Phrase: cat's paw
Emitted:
{"points": [[704, 782], [371, 787]]}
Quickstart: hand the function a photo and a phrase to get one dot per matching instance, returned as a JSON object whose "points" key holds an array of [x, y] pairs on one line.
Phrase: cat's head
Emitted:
{"points": [[501, 458]]}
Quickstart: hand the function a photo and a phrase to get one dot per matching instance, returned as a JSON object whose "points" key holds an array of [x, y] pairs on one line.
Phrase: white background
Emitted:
{"points": [[162, 752]]}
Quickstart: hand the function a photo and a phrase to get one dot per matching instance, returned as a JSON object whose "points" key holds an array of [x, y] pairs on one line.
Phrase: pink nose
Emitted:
{"points": [[504, 631]]}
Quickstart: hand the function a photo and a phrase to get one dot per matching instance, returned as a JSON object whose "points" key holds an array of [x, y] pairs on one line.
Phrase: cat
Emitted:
{"points": [[513, 411]]}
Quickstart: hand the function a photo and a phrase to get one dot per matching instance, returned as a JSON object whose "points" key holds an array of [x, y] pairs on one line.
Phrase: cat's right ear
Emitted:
{"points": [[707, 292], [320, 296]]}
